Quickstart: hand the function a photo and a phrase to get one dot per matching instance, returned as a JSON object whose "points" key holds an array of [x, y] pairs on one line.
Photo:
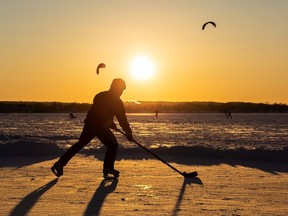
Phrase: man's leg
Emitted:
{"points": [[88, 133], [106, 136]]}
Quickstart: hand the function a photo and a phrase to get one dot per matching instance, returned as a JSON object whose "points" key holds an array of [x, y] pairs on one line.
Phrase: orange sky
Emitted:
{"points": [[49, 50]]}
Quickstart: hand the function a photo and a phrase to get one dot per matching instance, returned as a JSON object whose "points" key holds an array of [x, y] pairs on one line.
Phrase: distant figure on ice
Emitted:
{"points": [[156, 113], [98, 123], [228, 113], [71, 115]]}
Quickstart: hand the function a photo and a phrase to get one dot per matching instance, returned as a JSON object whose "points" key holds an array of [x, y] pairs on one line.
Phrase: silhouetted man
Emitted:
{"points": [[228, 113], [98, 123]]}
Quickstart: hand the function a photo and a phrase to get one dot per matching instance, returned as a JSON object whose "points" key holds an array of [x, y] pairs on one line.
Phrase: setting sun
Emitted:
{"points": [[142, 68]]}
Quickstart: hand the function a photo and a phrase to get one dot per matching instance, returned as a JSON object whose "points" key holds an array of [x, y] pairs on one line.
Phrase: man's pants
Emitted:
{"points": [[105, 135]]}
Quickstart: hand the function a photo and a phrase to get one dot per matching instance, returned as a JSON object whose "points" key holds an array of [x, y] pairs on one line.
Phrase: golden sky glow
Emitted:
{"points": [[142, 68], [49, 50]]}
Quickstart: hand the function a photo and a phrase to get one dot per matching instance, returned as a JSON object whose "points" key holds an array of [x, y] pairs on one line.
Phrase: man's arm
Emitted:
{"points": [[122, 119]]}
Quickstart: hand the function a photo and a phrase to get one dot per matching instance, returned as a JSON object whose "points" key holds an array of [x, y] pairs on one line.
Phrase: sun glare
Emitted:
{"points": [[142, 68]]}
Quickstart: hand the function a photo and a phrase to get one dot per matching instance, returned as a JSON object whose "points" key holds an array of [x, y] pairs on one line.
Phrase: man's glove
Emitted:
{"points": [[129, 136]]}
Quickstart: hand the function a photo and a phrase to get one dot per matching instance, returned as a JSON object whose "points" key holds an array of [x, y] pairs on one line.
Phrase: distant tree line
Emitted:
{"points": [[43, 107], [240, 107], [144, 107]]}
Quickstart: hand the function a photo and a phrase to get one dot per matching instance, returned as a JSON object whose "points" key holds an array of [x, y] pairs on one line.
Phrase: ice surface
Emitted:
{"points": [[247, 135]]}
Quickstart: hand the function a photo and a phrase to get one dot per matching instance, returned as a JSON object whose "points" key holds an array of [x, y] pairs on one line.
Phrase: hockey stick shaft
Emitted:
{"points": [[152, 153]]}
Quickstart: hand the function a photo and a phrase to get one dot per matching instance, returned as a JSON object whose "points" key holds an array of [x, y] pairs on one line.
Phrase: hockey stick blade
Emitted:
{"points": [[186, 175], [189, 175]]}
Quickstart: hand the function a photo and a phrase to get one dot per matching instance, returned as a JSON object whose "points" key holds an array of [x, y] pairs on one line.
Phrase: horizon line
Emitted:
{"points": [[144, 101]]}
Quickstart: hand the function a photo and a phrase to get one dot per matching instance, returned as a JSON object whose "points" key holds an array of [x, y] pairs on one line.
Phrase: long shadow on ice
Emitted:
{"points": [[25, 153], [31, 199], [95, 204], [269, 161], [187, 181]]}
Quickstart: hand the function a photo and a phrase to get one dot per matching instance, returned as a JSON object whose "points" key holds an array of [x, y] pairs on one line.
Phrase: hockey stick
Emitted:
{"points": [[184, 174]]}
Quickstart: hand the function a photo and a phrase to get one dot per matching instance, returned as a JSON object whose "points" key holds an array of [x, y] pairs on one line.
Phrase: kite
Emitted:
{"points": [[101, 65], [210, 22]]}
